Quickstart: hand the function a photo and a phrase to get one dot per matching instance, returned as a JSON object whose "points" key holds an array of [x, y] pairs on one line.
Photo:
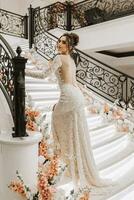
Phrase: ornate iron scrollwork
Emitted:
{"points": [[99, 78], [130, 93], [6, 72], [52, 16], [44, 42], [12, 24], [90, 12]]}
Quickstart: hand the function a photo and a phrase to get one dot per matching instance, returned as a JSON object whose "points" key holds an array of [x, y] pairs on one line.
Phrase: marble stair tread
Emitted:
{"points": [[111, 146], [104, 140], [39, 81], [126, 194], [100, 128], [93, 120], [41, 87], [122, 173], [122, 166], [108, 158], [35, 96]]}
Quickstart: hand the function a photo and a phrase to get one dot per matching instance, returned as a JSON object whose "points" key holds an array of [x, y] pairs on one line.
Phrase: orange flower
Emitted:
{"points": [[18, 187], [117, 114], [106, 108], [123, 129], [53, 169], [31, 126], [94, 110], [31, 119], [32, 113], [85, 197], [43, 148], [45, 191]]}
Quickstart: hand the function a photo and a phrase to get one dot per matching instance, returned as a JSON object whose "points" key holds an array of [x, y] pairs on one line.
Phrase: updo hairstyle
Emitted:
{"points": [[72, 39]]}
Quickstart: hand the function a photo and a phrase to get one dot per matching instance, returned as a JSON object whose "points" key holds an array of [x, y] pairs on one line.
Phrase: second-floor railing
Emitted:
{"points": [[71, 16], [67, 15], [13, 24], [91, 12]]}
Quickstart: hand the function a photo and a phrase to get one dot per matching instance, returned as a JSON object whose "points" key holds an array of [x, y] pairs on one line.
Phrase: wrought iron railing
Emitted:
{"points": [[104, 80], [13, 24], [51, 16], [44, 42], [6, 71], [12, 84], [71, 16], [91, 12]]}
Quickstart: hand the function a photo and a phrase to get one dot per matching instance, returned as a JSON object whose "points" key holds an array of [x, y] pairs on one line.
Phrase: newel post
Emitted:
{"points": [[19, 95]]}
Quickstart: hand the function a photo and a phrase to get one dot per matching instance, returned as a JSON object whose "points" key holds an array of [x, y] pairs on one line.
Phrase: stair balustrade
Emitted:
{"points": [[13, 24], [12, 84], [71, 16]]}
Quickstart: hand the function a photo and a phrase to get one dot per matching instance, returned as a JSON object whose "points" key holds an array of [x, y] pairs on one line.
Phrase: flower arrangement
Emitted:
{"points": [[121, 118], [19, 187], [31, 116], [36, 121], [81, 194], [48, 175], [50, 171]]}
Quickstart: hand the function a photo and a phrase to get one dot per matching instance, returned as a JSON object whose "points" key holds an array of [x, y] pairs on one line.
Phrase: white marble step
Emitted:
{"points": [[109, 137], [100, 133], [93, 120], [30, 87], [109, 146], [122, 172], [126, 194], [124, 165], [36, 96], [37, 81], [113, 154], [104, 128]]}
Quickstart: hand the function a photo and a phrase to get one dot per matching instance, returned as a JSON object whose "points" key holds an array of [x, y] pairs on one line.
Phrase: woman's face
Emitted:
{"points": [[62, 45]]}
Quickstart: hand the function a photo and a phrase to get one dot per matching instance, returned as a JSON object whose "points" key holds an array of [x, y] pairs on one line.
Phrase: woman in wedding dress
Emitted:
{"points": [[69, 125]]}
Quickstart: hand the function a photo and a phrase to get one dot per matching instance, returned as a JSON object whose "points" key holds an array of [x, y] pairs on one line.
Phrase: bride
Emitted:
{"points": [[69, 125]]}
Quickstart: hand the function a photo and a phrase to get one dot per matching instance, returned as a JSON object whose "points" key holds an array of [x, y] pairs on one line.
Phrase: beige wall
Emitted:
{"points": [[17, 6], [20, 6]]}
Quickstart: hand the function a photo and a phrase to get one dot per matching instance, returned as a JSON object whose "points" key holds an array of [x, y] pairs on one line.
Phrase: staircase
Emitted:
{"points": [[113, 151]]}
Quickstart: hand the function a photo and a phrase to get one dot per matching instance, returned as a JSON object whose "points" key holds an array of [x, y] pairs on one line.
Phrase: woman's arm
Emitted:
{"points": [[38, 73], [53, 65]]}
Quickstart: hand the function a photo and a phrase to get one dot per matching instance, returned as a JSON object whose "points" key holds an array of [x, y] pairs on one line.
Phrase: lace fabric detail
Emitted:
{"points": [[44, 73], [69, 126]]}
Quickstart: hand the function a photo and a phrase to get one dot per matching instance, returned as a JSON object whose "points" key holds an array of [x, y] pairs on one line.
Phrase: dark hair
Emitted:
{"points": [[72, 41]]}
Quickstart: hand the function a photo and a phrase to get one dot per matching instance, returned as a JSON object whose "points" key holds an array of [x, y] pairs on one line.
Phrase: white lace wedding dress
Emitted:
{"points": [[69, 125]]}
